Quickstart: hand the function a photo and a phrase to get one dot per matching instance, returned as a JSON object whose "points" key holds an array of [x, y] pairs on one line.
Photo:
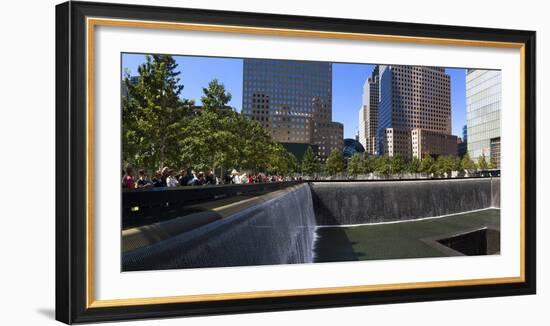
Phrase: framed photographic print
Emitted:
{"points": [[215, 162]]}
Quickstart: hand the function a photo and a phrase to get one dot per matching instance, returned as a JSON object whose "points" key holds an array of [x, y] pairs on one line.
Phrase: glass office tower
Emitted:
{"points": [[483, 101], [368, 114], [293, 100]]}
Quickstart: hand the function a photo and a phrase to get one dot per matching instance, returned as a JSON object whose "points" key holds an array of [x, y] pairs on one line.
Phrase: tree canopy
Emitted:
{"points": [[467, 163], [445, 164], [153, 113], [310, 162], [335, 162], [427, 164], [413, 166], [215, 96], [397, 164], [355, 165], [482, 162], [160, 128]]}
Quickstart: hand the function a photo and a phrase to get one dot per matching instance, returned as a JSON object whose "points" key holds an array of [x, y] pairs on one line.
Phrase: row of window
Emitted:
{"points": [[282, 101], [484, 134], [282, 110], [473, 104], [481, 79], [479, 111], [483, 119]]}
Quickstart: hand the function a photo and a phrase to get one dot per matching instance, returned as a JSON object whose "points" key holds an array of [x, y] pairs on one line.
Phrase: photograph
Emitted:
{"points": [[274, 163], [229, 161], [212, 161]]}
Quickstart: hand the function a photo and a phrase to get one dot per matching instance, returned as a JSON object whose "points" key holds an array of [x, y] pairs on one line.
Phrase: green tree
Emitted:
{"points": [[224, 138], [162, 129], [467, 163], [427, 165], [215, 96], [383, 165], [335, 162], [444, 164], [310, 162], [482, 162], [397, 164], [292, 163], [282, 161], [254, 144], [355, 165], [209, 142], [152, 113], [413, 166], [369, 163], [457, 163]]}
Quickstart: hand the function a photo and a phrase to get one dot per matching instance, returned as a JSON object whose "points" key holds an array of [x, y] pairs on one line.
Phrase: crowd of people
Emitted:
{"points": [[167, 177]]}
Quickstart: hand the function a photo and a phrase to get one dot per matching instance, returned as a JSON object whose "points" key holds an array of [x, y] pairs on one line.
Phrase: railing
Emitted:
{"points": [[145, 206], [344, 176]]}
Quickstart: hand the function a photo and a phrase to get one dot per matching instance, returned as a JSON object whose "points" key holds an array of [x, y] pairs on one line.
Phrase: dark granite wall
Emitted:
{"points": [[338, 203]]}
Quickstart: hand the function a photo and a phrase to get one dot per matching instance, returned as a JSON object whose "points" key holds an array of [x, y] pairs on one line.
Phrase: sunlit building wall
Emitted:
{"points": [[483, 103], [425, 142], [413, 97], [396, 142]]}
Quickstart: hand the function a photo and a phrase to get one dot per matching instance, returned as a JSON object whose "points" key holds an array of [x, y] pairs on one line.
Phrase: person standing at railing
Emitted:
{"points": [[201, 180], [210, 179], [184, 177], [236, 177], [128, 179], [194, 181], [171, 180], [142, 181], [157, 180], [164, 176]]}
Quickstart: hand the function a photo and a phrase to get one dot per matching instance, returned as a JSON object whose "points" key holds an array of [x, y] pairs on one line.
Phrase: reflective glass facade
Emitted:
{"points": [[368, 114], [483, 102], [293, 100], [351, 147]]}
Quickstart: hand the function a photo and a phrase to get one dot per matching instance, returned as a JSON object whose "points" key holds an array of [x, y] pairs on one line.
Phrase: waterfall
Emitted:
{"points": [[344, 203], [280, 230]]}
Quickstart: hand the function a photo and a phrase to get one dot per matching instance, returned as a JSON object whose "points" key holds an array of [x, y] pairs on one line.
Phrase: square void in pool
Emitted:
{"points": [[470, 233], [484, 241]]}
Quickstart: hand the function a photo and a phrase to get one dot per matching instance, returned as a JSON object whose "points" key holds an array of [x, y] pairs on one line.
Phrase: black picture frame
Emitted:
{"points": [[72, 299]]}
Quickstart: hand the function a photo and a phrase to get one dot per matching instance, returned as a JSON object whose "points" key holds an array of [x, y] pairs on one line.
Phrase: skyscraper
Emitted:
{"points": [[414, 98], [368, 114], [463, 143], [293, 101], [483, 101]]}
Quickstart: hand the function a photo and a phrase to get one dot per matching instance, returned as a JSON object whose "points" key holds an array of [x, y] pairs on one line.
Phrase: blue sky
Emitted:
{"points": [[347, 85]]}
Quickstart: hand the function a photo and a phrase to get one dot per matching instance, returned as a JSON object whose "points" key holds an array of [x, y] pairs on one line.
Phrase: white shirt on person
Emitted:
{"points": [[172, 182]]}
